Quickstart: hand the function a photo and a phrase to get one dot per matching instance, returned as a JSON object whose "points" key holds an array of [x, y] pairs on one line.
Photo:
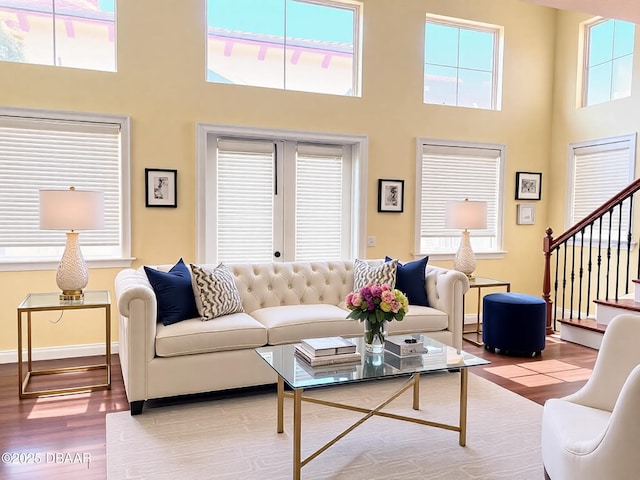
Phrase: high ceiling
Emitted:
{"points": [[621, 9]]}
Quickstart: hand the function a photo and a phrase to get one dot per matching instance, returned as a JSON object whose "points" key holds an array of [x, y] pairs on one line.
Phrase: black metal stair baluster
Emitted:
{"points": [[599, 257], [564, 279], [573, 273], [580, 273], [589, 266], [629, 236], [608, 255], [619, 242]]}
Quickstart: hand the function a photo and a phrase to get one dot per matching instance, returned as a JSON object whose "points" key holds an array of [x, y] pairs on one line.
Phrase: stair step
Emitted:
{"points": [[624, 303], [586, 323], [584, 331], [607, 310]]}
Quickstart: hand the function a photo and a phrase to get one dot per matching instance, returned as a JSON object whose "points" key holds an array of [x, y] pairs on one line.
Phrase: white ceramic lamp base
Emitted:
{"points": [[465, 260], [72, 275]]}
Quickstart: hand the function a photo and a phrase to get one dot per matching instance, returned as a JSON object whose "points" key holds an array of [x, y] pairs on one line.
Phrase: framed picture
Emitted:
{"points": [[526, 214], [161, 187], [390, 195], [528, 185]]}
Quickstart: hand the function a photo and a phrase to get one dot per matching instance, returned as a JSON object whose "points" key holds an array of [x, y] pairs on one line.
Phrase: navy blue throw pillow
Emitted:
{"points": [[410, 280], [174, 293]]}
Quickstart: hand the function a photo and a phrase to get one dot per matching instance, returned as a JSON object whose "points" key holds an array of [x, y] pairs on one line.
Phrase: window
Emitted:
{"points": [[455, 171], [598, 170], [608, 61], [311, 46], [55, 150], [461, 63], [279, 196], [79, 33]]}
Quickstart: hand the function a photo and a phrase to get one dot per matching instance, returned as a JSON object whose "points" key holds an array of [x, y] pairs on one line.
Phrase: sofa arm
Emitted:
{"points": [[445, 290], [137, 308]]}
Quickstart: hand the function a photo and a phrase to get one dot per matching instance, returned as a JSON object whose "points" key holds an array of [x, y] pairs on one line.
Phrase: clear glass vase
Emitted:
{"points": [[374, 336]]}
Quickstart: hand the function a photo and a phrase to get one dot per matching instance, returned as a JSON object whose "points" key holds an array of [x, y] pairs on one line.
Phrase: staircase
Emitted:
{"points": [[589, 267]]}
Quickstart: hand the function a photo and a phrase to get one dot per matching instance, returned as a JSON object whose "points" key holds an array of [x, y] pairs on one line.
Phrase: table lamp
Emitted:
{"points": [[71, 210], [466, 215]]}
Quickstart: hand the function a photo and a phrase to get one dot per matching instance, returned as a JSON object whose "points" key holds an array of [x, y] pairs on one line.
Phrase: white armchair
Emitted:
{"points": [[595, 433]]}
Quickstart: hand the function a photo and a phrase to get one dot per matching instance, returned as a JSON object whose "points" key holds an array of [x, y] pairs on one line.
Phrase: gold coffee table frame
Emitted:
{"points": [[43, 302], [413, 382]]}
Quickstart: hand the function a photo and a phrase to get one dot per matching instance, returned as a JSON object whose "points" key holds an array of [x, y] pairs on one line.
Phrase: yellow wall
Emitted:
{"points": [[571, 124], [160, 85]]}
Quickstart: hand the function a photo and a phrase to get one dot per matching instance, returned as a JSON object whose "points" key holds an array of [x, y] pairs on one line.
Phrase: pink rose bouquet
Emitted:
{"points": [[377, 304]]}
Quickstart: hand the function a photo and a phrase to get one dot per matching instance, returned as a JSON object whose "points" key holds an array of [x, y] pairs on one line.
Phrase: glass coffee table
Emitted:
{"points": [[299, 375]]}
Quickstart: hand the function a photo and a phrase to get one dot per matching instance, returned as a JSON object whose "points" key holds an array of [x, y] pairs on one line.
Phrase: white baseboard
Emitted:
{"points": [[53, 353], [471, 318]]}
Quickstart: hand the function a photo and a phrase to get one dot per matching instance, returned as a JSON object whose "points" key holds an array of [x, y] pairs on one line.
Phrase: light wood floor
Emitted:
{"points": [[49, 428]]}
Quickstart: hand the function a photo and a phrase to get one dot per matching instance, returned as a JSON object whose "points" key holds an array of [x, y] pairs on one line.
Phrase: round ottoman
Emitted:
{"points": [[514, 323]]}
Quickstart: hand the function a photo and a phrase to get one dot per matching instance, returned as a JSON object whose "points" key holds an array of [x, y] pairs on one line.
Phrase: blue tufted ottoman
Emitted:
{"points": [[514, 323]]}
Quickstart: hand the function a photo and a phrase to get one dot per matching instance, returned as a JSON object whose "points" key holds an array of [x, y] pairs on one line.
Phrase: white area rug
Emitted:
{"points": [[236, 438]]}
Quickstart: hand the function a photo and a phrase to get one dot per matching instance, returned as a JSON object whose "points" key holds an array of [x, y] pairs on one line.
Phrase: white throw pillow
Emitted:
{"points": [[217, 291], [365, 274]]}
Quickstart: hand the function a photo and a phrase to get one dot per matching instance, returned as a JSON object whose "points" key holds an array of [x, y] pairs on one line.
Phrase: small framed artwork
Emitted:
{"points": [[161, 187], [528, 185], [390, 195], [526, 214]]}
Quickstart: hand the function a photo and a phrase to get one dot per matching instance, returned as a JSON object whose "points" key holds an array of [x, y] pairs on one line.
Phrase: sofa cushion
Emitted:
{"points": [[411, 278], [229, 332], [419, 319], [217, 291], [291, 323], [174, 293], [365, 274]]}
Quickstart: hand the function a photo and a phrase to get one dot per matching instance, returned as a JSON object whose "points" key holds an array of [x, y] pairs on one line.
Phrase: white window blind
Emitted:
{"points": [[246, 182], [600, 171], [40, 154], [319, 202], [453, 173], [282, 200]]}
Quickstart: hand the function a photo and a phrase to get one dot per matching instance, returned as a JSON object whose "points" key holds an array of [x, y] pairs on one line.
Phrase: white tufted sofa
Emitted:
{"points": [[282, 302]]}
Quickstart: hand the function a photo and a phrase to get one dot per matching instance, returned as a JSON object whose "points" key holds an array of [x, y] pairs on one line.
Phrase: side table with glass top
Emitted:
{"points": [[475, 336], [43, 302]]}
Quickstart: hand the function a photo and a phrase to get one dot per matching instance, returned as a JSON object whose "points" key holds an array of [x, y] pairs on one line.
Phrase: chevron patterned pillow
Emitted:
{"points": [[365, 274], [217, 291]]}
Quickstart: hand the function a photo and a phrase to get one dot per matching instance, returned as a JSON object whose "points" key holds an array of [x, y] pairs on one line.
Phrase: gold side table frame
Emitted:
{"points": [[413, 382], [479, 283], [42, 302]]}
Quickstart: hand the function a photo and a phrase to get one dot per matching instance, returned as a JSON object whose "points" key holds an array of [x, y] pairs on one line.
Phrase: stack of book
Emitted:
{"points": [[327, 351]]}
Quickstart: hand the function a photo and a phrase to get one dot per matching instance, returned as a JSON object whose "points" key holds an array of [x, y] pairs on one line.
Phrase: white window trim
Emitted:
{"points": [[206, 131], [632, 139], [8, 265], [498, 49], [493, 254]]}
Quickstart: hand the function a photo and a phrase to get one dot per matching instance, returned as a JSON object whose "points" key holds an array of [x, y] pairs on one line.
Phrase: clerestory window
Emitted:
{"points": [[64, 33], [608, 61], [462, 63], [304, 45]]}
